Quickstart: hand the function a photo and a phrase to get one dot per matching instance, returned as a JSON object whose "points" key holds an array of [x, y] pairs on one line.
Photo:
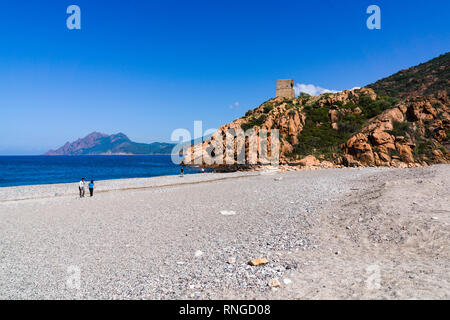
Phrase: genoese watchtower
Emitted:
{"points": [[285, 89]]}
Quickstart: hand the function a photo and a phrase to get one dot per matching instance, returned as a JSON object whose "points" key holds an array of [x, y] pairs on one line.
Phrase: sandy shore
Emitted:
{"points": [[337, 233]]}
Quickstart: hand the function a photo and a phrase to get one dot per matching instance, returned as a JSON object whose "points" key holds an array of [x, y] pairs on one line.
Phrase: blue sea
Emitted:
{"points": [[33, 170]]}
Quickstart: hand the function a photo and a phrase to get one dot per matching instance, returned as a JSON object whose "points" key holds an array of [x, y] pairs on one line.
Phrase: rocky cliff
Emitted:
{"points": [[400, 121]]}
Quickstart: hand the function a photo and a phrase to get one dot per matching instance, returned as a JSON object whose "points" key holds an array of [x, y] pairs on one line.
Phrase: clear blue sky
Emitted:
{"points": [[146, 68]]}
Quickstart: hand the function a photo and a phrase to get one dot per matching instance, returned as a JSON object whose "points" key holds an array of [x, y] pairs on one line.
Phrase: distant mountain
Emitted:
{"points": [[102, 144]]}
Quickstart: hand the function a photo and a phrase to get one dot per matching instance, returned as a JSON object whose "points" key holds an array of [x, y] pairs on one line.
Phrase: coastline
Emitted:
{"points": [[102, 154], [70, 189], [48, 191]]}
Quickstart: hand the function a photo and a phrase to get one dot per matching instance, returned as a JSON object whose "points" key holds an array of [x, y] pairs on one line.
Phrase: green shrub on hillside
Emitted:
{"points": [[400, 129], [318, 137], [268, 107], [254, 121], [423, 147], [316, 114], [351, 123], [372, 108]]}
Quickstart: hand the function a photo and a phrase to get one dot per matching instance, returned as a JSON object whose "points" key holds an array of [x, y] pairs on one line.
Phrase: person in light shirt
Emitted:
{"points": [[81, 187]]}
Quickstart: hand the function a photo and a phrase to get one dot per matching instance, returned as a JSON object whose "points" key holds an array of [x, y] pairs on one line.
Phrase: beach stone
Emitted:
{"points": [[231, 260], [309, 161], [227, 213], [198, 253], [258, 262], [287, 281], [274, 283]]}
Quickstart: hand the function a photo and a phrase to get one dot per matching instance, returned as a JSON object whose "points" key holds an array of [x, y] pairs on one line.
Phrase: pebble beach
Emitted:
{"points": [[314, 233]]}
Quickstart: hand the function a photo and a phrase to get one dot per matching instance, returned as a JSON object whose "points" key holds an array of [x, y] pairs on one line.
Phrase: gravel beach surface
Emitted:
{"points": [[336, 233]]}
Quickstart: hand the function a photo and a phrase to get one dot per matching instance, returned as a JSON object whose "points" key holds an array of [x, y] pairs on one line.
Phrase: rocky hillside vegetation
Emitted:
{"points": [[400, 121]]}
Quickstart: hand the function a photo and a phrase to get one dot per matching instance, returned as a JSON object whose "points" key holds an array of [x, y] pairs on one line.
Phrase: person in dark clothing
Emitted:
{"points": [[182, 171], [91, 188]]}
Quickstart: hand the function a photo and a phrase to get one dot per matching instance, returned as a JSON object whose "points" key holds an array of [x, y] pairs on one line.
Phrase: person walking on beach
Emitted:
{"points": [[81, 187], [181, 172], [91, 188]]}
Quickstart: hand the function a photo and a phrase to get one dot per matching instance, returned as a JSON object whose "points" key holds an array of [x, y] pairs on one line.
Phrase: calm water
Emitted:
{"points": [[31, 170]]}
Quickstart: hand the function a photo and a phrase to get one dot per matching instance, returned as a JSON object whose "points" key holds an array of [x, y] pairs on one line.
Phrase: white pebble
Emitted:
{"points": [[198, 253], [227, 213]]}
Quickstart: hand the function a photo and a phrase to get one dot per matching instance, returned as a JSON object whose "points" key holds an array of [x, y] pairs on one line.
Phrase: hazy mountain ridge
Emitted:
{"points": [[102, 144]]}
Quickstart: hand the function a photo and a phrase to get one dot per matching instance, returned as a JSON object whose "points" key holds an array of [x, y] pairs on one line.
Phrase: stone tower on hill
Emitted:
{"points": [[285, 89]]}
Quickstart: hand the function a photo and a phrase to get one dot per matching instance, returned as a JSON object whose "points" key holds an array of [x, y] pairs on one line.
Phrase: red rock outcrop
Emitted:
{"points": [[410, 127]]}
